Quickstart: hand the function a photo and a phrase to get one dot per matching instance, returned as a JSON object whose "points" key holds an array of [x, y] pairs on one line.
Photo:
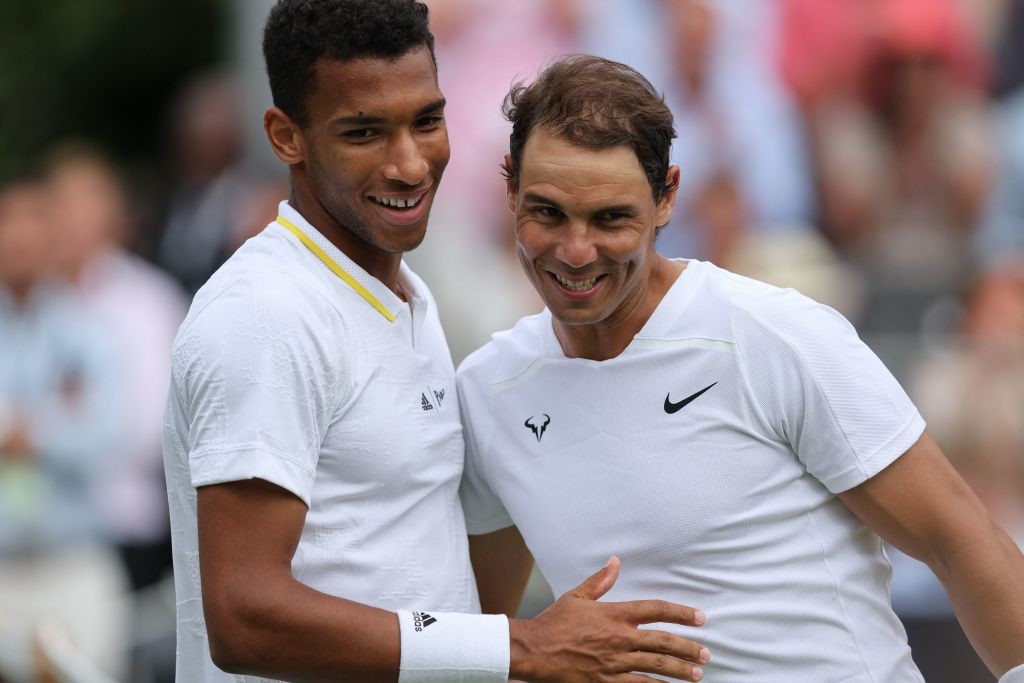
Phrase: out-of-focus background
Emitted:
{"points": [[869, 153]]}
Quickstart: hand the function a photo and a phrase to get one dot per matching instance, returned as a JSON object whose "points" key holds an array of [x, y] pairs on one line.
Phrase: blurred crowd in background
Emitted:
{"points": [[869, 153]]}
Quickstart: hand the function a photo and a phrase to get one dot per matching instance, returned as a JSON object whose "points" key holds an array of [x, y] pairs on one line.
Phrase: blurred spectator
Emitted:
{"points": [[745, 197], [972, 395], [482, 48], [60, 403], [208, 189], [741, 143], [142, 308], [903, 154], [1001, 239], [1009, 53]]}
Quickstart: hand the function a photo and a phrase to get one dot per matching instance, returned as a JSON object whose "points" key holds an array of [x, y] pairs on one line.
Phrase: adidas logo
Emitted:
{"points": [[425, 402], [421, 620]]}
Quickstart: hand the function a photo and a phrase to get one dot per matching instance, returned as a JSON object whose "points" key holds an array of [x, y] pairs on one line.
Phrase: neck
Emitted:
{"points": [[382, 265]]}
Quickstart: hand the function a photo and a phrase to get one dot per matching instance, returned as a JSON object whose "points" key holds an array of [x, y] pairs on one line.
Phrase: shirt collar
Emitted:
{"points": [[372, 290]]}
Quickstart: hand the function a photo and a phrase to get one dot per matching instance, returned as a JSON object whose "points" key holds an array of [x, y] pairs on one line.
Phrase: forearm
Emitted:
{"points": [[294, 632], [502, 565], [261, 620], [984, 578]]}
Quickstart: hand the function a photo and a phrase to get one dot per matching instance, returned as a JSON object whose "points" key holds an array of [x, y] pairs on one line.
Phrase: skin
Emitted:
{"points": [[25, 228], [919, 504], [376, 129], [580, 215]]}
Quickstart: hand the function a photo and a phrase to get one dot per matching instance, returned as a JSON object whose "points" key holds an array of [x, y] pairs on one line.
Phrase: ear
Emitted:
{"points": [[510, 186], [285, 136], [667, 203]]}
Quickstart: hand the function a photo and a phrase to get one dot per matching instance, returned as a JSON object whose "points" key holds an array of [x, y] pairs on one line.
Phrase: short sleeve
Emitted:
{"points": [[260, 371], [822, 390], [483, 509]]}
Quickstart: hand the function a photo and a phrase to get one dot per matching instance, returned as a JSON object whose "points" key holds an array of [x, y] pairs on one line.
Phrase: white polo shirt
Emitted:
{"points": [[707, 456], [284, 372]]}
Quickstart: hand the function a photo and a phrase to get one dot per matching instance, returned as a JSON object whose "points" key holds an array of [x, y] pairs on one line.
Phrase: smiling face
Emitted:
{"points": [[366, 165], [585, 226]]}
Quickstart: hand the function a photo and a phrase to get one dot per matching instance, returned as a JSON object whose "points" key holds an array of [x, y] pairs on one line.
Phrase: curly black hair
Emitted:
{"points": [[299, 32]]}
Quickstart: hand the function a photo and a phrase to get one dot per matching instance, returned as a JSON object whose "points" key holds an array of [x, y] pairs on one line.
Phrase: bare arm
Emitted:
{"points": [[260, 620], [502, 565], [923, 507]]}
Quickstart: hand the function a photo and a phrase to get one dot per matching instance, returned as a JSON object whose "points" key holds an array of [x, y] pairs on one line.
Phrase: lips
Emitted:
{"points": [[399, 202], [401, 209], [577, 288]]}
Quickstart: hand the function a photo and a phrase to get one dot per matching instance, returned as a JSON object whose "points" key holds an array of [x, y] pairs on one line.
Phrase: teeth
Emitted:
{"points": [[398, 203], [576, 285]]}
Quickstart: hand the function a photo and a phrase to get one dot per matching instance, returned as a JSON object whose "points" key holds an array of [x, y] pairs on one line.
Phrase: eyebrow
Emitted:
{"points": [[534, 198], [361, 119]]}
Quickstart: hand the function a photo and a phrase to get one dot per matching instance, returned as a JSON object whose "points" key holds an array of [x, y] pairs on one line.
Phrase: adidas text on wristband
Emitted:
{"points": [[453, 647]]}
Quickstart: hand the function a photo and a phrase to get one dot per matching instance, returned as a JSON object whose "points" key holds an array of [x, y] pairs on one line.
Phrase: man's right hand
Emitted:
{"points": [[580, 639]]}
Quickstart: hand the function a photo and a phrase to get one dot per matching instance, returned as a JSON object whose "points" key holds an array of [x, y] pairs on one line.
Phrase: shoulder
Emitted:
{"points": [[750, 304], [263, 284], [508, 353], [265, 314], [766, 324], [721, 300]]}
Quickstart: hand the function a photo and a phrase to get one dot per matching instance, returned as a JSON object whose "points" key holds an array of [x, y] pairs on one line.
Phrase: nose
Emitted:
{"points": [[406, 162], [576, 247]]}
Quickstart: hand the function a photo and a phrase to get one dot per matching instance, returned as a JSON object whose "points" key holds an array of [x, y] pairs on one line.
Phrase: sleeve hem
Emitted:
{"points": [[475, 527], [252, 462], [880, 459]]}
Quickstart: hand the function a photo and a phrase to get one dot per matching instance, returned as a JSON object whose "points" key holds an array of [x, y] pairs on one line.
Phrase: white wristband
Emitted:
{"points": [[451, 646], [1014, 675]]}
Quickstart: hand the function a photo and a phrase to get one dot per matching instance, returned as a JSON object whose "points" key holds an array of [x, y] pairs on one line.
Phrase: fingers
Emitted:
{"points": [[662, 665], [661, 611], [664, 643], [598, 583]]}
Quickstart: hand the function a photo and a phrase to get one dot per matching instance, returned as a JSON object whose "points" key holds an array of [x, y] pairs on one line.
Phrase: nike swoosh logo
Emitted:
{"points": [[671, 407]]}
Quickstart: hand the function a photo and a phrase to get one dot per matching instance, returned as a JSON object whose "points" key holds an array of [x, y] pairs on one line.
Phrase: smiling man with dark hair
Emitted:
{"points": [[735, 442]]}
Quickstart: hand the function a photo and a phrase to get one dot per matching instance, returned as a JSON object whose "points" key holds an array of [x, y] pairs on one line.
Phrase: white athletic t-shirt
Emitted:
{"points": [[707, 456], [283, 372]]}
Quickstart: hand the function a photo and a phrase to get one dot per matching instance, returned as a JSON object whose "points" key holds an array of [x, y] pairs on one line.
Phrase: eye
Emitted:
{"points": [[430, 122], [611, 216], [358, 134], [547, 211]]}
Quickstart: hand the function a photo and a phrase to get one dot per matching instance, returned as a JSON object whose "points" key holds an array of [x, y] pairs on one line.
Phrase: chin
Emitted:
{"points": [[574, 317], [398, 242]]}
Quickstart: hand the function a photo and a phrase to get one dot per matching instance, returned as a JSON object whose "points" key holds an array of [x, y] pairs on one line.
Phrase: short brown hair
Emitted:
{"points": [[595, 103]]}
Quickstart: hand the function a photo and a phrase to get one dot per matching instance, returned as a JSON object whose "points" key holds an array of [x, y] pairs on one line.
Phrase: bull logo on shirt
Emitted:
{"points": [[538, 430]]}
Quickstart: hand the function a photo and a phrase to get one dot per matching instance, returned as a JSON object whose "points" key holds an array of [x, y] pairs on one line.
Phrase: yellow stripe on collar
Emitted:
{"points": [[336, 269]]}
